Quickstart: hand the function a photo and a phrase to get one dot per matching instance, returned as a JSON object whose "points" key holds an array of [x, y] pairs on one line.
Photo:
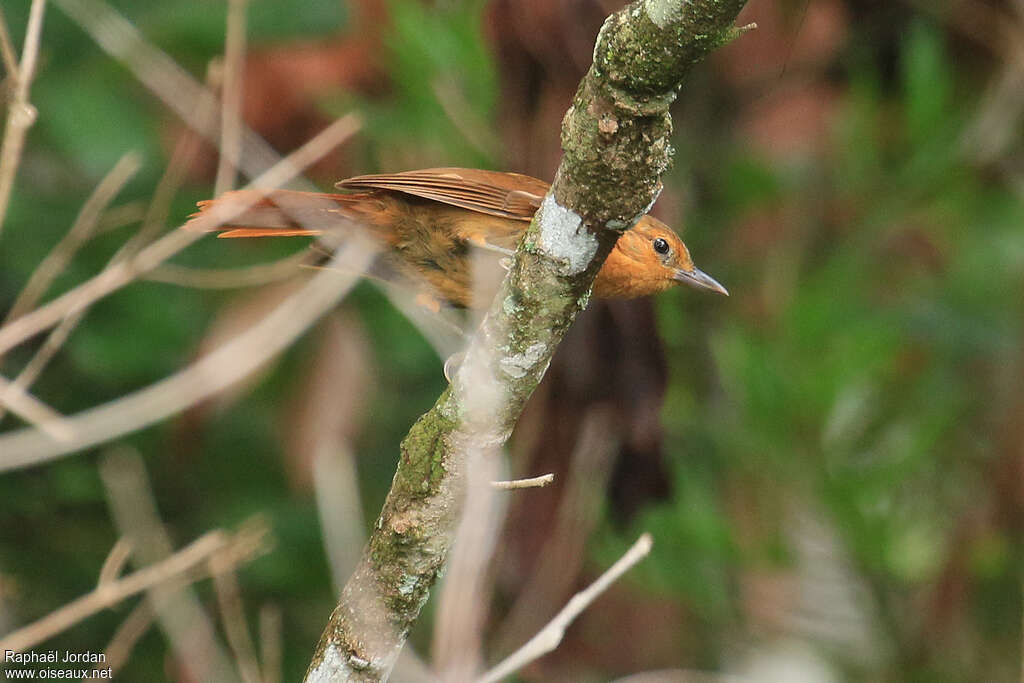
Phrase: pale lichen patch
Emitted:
{"points": [[518, 364], [333, 667], [563, 237], [663, 12], [650, 205], [408, 584]]}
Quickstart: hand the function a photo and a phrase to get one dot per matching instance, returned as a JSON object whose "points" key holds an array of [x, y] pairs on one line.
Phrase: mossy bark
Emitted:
{"points": [[616, 142]]}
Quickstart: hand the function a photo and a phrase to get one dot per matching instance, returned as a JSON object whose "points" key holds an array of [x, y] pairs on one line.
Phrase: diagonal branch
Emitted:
{"points": [[119, 274], [231, 110], [548, 638], [7, 55], [616, 143], [58, 258], [174, 86], [211, 373], [20, 112], [189, 562]]}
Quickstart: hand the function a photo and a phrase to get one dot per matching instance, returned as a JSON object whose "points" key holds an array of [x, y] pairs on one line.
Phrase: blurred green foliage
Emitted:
{"points": [[875, 392], [862, 374], [443, 78]]}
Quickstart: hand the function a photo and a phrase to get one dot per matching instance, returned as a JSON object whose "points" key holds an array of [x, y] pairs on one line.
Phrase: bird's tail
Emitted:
{"points": [[282, 213]]}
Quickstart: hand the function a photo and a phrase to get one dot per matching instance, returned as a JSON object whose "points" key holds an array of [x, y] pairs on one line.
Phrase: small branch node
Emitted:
{"points": [[114, 564], [23, 115]]}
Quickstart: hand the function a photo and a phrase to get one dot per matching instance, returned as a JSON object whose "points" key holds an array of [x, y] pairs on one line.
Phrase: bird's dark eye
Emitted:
{"points": [[661, 246]]}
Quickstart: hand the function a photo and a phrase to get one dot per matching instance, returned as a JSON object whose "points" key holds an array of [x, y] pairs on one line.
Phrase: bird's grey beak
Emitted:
{"points": [[700, 280]]}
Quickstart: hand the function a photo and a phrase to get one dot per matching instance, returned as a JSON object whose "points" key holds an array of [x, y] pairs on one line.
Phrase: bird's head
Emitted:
{"points": [[647, 259]]}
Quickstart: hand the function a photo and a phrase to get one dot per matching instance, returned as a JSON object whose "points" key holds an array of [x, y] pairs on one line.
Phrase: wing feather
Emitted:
{"points": [[506, 195]]}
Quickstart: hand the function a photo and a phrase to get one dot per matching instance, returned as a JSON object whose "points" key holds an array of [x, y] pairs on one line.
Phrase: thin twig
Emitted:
{"points": [[159, 208], [135, 625], [996, 120], [121, 215], [55, 263], [106, 282], [229, 278], [531, 483], [180, 614], [57, 260], [463, 602], [231, 107], [114, 564], [229, 601], [69, 308], [556, 573], [190, 560], [270, 643], [7, 53], [32, 410], [210, 374], [336, 485], [35, 366], [20, 113], [182, 94], [153, 220], [118, 275], [551, 635]]}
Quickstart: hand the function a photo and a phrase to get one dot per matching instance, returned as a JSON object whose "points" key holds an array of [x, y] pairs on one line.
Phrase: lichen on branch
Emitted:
{"points": [[616, 135]]}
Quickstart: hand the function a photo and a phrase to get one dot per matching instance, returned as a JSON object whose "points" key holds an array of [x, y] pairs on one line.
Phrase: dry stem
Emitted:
{"points": [[153, 219], [32, 410], [175, 87], [228, 278], [20, 113], [229, 601], [117, 275], [7, 55], [57, 260], [231, 108], [551, 635], [135, 625], [179, 612], [210, 374], [462, 605], [238, 548], [270, 642], [115, 562]]}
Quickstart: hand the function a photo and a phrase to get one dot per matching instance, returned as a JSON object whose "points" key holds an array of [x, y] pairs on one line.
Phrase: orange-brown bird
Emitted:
{"points": [[431, 221]]}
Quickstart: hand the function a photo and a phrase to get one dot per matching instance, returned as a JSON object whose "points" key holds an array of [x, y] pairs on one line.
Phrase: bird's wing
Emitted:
{"points": [[506, 195]]}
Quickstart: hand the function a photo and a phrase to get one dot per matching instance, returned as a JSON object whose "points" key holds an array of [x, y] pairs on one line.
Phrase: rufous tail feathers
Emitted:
{"points": [[279, 213]]}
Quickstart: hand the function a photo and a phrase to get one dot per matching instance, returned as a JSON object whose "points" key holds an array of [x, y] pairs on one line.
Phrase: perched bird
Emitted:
{"points": [[433, 221]]}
